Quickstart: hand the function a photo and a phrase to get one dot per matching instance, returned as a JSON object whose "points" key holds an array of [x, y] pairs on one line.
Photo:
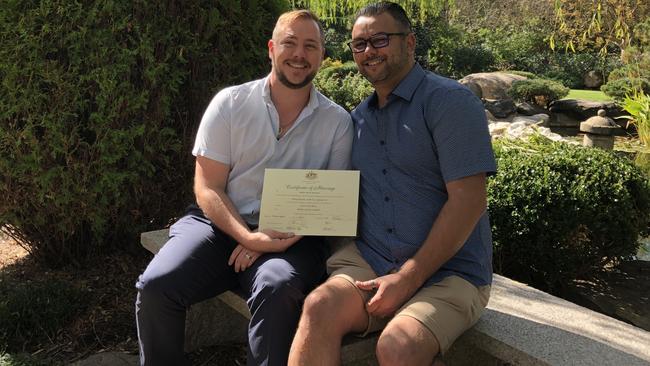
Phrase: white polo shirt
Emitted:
{"points": [[239, 129]]}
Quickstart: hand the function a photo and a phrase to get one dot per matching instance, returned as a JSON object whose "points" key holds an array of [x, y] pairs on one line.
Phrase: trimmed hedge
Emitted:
{"points": [[561, 211], [537, 90], [99, 104]]}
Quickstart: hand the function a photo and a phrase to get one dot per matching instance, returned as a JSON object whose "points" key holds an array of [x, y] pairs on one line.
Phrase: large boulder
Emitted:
{"points": [[490, 85], [528, 109], [581, 110], [500, 108], [593, 79]]}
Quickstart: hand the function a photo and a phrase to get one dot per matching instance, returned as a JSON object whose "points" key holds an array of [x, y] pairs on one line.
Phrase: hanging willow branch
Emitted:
{"points": [[597, 24], [339, 11]]}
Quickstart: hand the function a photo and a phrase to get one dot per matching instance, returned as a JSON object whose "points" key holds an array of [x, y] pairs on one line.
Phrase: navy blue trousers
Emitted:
{"points": [[193, 266]]}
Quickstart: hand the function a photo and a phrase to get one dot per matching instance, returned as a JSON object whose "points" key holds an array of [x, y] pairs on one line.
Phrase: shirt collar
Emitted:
{"points": [[406, 87]]}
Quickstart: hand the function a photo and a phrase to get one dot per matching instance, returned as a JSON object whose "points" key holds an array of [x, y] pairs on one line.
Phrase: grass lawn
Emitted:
{"points": [[591, 95]]}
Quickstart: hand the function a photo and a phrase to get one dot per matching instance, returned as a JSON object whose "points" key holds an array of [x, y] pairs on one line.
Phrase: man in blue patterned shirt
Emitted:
{"points": [[421, 267]]}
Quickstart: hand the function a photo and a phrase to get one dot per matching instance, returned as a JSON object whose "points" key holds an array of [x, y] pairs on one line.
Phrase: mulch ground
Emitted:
{"points": [[107, 323]]}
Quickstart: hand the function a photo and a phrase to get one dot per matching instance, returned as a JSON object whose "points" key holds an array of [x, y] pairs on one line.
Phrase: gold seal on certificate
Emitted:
{"points": [[310, 202]]}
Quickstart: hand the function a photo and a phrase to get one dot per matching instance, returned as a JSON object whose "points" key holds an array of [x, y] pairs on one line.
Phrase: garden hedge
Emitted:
{"points": [[99, 104], [561, 211]]}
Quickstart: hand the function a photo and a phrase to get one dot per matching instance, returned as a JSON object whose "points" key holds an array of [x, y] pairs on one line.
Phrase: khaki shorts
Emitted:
{"points": [[447, 308]]}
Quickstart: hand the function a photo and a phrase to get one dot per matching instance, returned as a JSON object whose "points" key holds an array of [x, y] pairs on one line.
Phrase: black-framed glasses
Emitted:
{"points": [[379, 40]]}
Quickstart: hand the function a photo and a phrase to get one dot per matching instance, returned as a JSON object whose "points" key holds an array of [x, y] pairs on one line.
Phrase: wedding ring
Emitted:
{"points": [[248, 256]]}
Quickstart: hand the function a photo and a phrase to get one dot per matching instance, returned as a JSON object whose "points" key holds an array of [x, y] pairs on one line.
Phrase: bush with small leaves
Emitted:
{"points": [[99, 104], [539, 91], [619, 88], [342, 83], [561, 211]]}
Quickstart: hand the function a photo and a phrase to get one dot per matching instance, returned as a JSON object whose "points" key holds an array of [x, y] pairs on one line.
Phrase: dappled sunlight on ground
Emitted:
{"points": [[10, 252]]}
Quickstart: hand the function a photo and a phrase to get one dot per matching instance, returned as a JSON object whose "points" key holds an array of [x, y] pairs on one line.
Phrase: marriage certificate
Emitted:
{"points": [[310, 202]]}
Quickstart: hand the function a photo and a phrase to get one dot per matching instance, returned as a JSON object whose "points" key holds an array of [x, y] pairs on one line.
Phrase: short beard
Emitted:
{"points": [[283, 79]]}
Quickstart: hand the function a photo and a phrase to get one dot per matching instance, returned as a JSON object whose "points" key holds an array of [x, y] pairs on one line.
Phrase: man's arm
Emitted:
{"points": [[467, 201], [210, 180]]}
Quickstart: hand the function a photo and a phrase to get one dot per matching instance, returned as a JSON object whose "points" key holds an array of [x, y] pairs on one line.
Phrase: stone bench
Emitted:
{"points": [[521, 326]]}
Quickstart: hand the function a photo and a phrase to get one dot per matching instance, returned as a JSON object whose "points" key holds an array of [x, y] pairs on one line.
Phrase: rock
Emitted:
{"points": [[500, 108], [564, 120], [521, 128], [490, 85], [581, 109], [528, 109], [593, 79], [571, 112], [539, 119]]}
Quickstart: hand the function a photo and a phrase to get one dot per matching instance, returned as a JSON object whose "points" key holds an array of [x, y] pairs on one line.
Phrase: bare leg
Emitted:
{"points": [[405, 341], [331, 311]]}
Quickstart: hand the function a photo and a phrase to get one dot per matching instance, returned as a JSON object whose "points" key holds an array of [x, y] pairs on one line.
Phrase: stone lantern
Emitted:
{"points": [[599, 131]]}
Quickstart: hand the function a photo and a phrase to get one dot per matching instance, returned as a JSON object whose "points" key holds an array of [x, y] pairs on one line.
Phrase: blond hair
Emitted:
{"points": [[293, 15]]}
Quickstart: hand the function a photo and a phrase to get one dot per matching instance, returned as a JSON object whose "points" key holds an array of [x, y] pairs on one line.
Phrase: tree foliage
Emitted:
{"points": [[99, 104], [597, 24], [339, 11]]}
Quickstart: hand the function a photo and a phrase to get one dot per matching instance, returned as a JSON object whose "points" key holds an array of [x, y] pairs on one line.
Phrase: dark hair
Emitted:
{"points": [[395, 10]]}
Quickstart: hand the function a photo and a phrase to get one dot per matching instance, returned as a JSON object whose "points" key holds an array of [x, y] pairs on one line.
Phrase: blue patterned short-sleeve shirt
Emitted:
{"points": [[432, 131]]}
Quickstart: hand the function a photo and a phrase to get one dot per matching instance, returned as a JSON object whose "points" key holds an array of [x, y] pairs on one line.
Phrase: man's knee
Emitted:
{"points": [[322, 308], [277, 286], [409, 344], [152, 291], [319, 303]]}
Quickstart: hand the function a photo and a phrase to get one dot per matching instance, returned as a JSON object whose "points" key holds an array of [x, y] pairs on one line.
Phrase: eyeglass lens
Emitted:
{"points": [[377, 41]]}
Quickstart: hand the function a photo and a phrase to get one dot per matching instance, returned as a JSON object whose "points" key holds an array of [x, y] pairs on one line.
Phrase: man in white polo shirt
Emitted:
{"points": [[280, 121]]}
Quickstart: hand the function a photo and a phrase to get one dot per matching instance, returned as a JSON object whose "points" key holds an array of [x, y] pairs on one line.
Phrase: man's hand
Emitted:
{"points": [[393, 290], [242, 258], [270, 241]]}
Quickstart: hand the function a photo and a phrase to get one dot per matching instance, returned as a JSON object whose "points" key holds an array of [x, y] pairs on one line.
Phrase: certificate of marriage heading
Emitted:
{"points": [[310, 202]]}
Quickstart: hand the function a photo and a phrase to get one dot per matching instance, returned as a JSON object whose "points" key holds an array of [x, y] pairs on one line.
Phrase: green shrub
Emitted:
{"points": [[617, 89], [99, 104], [337, 68], [342, 83], [511, 44], [472, 58], [561, 211], [571, 68], [539, 91], [440, 39], [35, 311], [7, 359], [569, 80], [336, 38]]}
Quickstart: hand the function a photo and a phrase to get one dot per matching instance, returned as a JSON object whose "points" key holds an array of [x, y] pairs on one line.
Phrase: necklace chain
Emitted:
{"points": [[281, 131]]}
